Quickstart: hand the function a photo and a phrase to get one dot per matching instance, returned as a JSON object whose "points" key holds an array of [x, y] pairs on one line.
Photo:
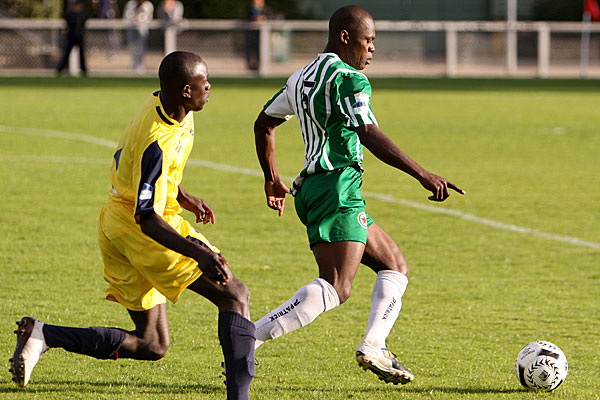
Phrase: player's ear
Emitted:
{"points": [[186, 92], [344, 36]]}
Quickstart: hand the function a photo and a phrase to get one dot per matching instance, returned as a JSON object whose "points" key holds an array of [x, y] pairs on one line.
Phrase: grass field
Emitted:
{"points": [[515, 260]]}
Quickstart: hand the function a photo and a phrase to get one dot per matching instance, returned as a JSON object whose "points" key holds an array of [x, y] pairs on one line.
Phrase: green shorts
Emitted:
{"points": [[331, 207]]}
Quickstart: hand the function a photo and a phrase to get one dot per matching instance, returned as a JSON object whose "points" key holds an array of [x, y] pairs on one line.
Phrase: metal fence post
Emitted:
{"points": [[543, 50], [170, 39], [74, 68], [264, 54], [511, 37], [451, 50]]}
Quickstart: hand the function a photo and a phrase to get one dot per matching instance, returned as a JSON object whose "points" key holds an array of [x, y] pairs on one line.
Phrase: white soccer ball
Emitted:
{"points": [[541, 365]]}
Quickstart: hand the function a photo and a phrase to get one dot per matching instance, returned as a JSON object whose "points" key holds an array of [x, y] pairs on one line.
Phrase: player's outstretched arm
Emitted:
{"points": [[384, 149], [195, 205], [212, 264], [264, 139]]}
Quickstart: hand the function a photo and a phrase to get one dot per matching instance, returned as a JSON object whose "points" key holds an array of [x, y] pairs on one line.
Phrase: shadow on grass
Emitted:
{"points": [[385, 389], [62, 386], [116, 388]]}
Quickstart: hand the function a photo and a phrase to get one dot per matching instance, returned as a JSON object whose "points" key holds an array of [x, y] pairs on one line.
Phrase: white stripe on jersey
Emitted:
{"points": [[350, 112], [318, 87], [304, 88]]}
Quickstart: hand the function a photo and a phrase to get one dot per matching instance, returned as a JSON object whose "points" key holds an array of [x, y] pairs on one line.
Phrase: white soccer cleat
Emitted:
{"points": [[382, 363], [30, 346]]}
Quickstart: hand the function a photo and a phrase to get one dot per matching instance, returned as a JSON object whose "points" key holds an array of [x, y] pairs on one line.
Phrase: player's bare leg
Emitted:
{"points": [[383, 256], [150, 339], [338, 263]]}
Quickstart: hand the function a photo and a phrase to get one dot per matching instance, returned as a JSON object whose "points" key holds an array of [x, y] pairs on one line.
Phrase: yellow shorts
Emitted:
{"points": [[140, 272]]}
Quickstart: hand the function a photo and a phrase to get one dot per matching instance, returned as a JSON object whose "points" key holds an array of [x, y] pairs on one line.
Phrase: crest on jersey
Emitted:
{"points": [[362, 219], [361, 103]]}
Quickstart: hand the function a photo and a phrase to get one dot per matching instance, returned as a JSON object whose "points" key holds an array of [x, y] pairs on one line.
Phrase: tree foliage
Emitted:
{"points": [[32, 8], [557, 10]]}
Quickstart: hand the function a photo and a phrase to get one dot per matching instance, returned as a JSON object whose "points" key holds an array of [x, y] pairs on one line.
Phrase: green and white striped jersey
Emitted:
{"points": [[328, 97]]}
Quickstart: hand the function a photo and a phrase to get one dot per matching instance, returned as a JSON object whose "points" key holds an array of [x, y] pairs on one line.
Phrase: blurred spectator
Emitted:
{"points": [[105, 9], [75, 16], [138, 14], [255, 13], [170, 12], [108, 9]]}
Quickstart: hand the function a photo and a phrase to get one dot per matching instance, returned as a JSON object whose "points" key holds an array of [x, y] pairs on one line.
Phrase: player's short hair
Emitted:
{"points": [[177, 70], [350, 18]]}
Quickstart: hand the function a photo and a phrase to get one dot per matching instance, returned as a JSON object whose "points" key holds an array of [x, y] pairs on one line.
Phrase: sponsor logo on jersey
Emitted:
{"points": [[146, 192], [362, 219], [361, 102]]}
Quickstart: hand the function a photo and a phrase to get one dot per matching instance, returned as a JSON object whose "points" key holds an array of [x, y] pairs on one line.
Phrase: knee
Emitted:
{"points": [[156, 351], [343, 292], [399, 263], [239, 292]]}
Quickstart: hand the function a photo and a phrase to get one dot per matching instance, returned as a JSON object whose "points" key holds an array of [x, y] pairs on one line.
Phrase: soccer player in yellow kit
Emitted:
{"points": [[150, 252]]}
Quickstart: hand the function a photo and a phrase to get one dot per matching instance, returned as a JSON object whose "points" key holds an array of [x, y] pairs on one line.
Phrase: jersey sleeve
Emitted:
{"points": [[278, 106], [152, 182], [354, 102]]}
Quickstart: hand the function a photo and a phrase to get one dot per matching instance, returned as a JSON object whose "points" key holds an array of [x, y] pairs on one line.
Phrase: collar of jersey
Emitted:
{"points": [[334, 55], [160, 110], [329, 54]]}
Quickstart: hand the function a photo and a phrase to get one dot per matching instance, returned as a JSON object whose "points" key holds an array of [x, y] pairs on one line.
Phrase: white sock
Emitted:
{"points": [[386, 302], [307, 304]]}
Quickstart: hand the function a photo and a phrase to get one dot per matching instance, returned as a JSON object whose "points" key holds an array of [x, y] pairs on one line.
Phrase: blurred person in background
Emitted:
{"points": [[138, 14], [255, 13], [75, 16], [108, 9], [170, 13]]}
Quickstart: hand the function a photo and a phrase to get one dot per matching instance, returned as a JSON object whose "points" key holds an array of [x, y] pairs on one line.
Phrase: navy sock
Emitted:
{"points": [[237, 338], [98, 342]]}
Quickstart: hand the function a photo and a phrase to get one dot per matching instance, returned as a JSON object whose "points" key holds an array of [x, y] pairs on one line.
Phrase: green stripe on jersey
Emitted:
{"points": [[328, 97]]}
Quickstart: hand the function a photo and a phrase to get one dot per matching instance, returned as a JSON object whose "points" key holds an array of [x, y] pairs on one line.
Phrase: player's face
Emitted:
{"points": [[199, 88], [361, 45]]}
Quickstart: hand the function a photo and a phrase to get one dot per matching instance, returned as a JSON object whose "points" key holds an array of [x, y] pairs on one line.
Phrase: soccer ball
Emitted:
{"points": [[541, 365]]}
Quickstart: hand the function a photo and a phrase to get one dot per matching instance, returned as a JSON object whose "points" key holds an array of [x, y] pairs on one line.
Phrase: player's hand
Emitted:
{"points": [[197, 206], [204, 213], [276, 191], [439, 187], [215, 267]]}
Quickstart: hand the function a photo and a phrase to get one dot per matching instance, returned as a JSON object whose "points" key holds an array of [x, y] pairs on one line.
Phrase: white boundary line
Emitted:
{"points": [[245, 171]]}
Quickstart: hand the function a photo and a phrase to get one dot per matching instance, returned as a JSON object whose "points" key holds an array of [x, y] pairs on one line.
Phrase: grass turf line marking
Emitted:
{"points": [[246, 171]]}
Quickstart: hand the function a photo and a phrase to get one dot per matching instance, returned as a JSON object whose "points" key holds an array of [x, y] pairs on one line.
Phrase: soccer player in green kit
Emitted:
{"points": [[331, 99]]}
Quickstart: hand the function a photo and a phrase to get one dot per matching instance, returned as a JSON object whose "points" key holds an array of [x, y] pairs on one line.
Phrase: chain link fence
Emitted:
{"points": [[277, 48]]}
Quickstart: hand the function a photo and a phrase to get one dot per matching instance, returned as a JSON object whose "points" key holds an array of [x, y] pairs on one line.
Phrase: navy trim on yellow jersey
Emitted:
{"points": [[151, 171], [162, 116], [197, 241], [117, 157], [156, 93]]}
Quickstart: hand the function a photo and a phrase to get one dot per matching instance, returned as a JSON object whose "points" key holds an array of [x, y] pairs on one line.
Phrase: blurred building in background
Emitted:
{"points": [[545, 38]]}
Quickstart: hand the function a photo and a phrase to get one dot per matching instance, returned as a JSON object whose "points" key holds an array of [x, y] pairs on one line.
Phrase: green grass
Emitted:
{"points": [[526, 151]]}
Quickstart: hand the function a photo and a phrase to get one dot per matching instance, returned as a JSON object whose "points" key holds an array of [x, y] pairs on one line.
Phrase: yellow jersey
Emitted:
{"points": [[148, 164]]}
